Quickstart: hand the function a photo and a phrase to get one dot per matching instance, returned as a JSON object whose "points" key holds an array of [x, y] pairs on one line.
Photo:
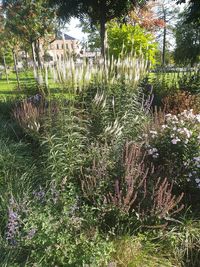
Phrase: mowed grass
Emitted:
{"points": [[9, 89]]}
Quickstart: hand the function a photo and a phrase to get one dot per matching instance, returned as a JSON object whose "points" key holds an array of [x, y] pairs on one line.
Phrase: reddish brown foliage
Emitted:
{"points": [[181, 101]]}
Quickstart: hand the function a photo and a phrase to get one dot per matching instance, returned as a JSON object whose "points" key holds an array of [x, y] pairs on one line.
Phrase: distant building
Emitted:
{"points": [[56, 50], [63, 44]]}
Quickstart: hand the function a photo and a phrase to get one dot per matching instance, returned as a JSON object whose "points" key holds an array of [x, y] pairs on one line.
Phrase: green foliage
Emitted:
{"points": [[61, 235], [34, 19], [93, 35], [64, 143], [174, 146], [112, 9], [8, 57], [99, 12], [182, 241], [73, 187], [190, 83], [167, 83], [193, 11], [187, 42], [128, 39], [140, 251]]}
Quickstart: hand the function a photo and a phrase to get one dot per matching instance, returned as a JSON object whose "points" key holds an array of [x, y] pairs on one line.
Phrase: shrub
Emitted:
{"points": [[165, 84], [177, 103], [51, 230], [124, 193], [66, 143], [173, 145], [190, 82], [128, 39]]}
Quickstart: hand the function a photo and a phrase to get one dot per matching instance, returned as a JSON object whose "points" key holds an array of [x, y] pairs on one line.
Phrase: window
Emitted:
{"points": [[62, 46], [57, 46]]}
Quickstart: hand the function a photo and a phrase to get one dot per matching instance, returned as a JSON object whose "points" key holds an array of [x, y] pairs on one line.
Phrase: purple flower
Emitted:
{"points": [[40, 195], [13, 223]]}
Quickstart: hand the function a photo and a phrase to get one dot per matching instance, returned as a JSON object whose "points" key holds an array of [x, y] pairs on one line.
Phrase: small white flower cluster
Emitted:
{"points": [[197, 161], [186, 115], [179, 136], [153, 134], [179, 126], [194, 166], [153, 152]]}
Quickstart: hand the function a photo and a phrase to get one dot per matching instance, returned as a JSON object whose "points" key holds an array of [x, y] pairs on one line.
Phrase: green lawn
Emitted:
{"points": [[27, 84]]}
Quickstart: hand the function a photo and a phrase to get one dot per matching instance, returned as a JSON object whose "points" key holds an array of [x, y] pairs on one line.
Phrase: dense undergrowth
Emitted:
{"points": [[100, 178]]}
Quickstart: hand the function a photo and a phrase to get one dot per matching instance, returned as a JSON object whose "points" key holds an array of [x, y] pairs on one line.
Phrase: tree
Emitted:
{"points": [[99, 11], [31, 21], [193, 11], [8, 47], [126, 39], [93, 35], [168, 12], [187, 41], [146, 17]]}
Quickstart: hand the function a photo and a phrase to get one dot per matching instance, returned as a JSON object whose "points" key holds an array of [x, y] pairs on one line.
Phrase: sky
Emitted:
{"points": [[74, 31]]}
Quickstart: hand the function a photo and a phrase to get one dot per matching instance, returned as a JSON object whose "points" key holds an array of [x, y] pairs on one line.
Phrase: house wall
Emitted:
{"points": [[59, 48]]}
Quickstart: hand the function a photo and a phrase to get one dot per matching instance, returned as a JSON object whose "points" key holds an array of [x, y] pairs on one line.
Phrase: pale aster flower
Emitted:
{"points": [[175, 141], [187, 132], [164, 126], [153, 150], [196, 159], [155, 156], [153, 133], [198, 117], [197, 180]]}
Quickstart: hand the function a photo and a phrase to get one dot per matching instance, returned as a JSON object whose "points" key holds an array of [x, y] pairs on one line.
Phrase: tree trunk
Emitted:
{"points": [[27, 60], [164, 46], [34, 61], [16, 69], [5, 66], [164, 38], [37, 52], [103, 33], [39, 69]]}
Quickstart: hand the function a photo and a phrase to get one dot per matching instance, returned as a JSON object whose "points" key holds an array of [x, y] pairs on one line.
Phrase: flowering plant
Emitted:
{"points": [[174, 146]]}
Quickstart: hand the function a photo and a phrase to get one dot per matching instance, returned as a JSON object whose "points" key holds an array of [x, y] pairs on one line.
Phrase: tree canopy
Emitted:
{"points": [[187, 42], [29, 20], [193, 11], [99, 11], [128, 39]]}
